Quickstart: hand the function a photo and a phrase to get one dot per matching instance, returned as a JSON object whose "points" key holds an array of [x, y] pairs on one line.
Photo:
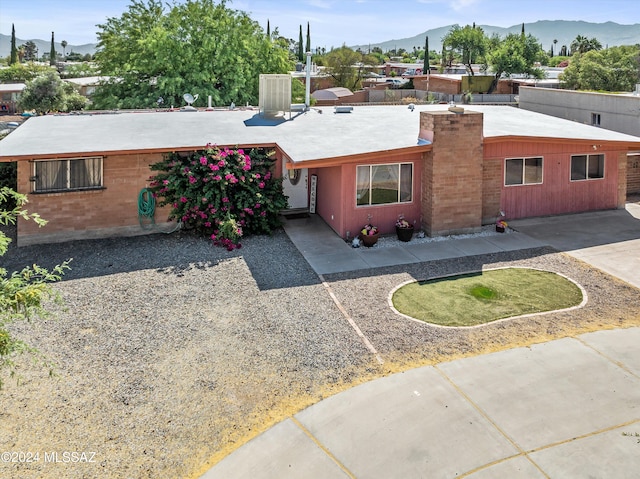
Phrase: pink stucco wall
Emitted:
{"points": [[557, 194], [337, 198]]}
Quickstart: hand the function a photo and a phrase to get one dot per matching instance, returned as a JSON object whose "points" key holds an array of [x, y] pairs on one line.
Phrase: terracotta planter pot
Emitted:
{"points": [[404, 234], [369, 240]]}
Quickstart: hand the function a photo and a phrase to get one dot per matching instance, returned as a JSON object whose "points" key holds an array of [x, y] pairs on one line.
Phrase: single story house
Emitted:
{"points": [[449, 170], [9, 94]]}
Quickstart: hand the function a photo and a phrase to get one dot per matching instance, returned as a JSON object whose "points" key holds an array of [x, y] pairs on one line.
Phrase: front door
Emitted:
{"points": [[295, 186]]}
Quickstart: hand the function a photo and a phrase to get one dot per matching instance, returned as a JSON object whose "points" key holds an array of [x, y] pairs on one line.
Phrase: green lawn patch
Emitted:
{"points": [[478, 298]]}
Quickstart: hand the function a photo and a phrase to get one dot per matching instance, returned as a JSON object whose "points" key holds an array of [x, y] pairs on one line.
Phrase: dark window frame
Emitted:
{"points": [[523, 171]]}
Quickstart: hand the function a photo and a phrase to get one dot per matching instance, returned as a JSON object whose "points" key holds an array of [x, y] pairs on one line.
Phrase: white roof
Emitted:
{"points": [[317, 134], [7, 87]]}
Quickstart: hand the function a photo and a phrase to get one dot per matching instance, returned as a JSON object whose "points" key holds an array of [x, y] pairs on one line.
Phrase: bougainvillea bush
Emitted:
{"points": [[221, 193]]}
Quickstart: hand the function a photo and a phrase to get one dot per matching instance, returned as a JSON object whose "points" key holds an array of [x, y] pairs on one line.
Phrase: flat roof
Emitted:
{"points": [[313, 135]]}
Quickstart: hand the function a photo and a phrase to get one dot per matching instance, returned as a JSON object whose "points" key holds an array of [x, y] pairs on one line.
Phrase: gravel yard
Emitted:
{"points": [[172, 352]]}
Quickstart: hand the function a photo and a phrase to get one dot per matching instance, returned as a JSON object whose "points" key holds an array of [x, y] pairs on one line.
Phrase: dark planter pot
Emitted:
{"points": [[404, 234], [499, 229], [369, 240]]}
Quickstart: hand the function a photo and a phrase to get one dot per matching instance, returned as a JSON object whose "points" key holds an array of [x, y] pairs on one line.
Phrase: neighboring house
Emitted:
{"points": [[87, 85], [617, 112], [9, 94], [450, 172]]}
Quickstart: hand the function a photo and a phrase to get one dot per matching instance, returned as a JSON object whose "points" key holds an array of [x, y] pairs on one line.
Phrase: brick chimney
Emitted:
{"points": [[452, 173]]}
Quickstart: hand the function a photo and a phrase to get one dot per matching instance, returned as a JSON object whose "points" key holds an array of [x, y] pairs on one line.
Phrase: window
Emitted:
{"points": [[523, 171], [384, 184], [587, 167], [62, 175], [595, 119]]}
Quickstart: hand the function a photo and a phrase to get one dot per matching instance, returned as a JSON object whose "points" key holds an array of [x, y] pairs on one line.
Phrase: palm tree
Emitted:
{"points": [[64, 48]]}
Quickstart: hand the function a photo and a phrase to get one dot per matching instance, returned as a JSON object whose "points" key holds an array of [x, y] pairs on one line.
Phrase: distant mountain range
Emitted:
{"points": [[44, 46], [610, 34]]}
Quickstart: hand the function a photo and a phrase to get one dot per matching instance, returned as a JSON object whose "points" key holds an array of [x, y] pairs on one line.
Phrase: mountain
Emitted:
{"points": [[44, 46], [610, 34]]}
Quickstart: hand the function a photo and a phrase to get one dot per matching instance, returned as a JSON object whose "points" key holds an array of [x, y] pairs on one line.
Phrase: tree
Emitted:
{"points": [[515, 54], [52, 52], [29, 50], [193, 47], [22, 293], [469, 43], [14, 50], [307, 47], [300, 50], [347, 66], [268, 30], [613, 69], [64, 48], [21, 73], [426, 67], [583, 45], [47, 92]]}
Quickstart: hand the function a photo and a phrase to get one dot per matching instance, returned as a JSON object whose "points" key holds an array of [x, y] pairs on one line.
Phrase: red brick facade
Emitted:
{"points": [[110, 211], [452, 177]]}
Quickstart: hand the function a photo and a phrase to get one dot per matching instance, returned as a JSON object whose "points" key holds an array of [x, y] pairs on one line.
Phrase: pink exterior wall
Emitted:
{"points": [[329, 196], [557, 194], [337, 196]]}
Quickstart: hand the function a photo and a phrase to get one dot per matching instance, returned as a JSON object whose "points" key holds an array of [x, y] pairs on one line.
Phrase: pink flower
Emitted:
{"points": [[246, 167], [228, 176], [241, 151], [217, 177], [268, 175], [204, 199], [186, 170], [225, 200], [192, 179], [208, 224], [263, 213], [165, 182], [183, 199], [214, 167], [261, 184], [257, 175], [213, 237], [203, 160], [258, 205]]}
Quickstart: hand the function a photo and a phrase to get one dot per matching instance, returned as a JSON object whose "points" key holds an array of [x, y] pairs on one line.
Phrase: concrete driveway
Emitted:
{"points": [[568, 408], [608, 240]]}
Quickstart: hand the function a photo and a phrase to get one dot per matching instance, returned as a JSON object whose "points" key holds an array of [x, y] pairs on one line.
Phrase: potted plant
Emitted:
{"points": [[369, 235], [404, 229], [501, 224]]}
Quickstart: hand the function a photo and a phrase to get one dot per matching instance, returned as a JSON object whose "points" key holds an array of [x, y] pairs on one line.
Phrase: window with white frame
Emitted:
{"points": [[66, 175], [523, 171], [384, 184], [587, 167]]}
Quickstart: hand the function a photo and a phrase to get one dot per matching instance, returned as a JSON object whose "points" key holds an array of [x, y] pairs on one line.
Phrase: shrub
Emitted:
{"points": [[224, 194]]}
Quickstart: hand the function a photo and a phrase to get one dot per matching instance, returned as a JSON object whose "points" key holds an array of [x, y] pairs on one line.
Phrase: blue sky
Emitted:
{"points": [[333, 22]]}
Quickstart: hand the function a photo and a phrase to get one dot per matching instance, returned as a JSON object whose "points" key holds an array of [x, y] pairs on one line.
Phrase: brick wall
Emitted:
{"points": [[633, 175], [453, 174], [491, 188], [110, 211]]}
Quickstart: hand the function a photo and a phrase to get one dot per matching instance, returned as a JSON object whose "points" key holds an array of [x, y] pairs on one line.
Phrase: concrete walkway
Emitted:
{"points": [[568, 408]]}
